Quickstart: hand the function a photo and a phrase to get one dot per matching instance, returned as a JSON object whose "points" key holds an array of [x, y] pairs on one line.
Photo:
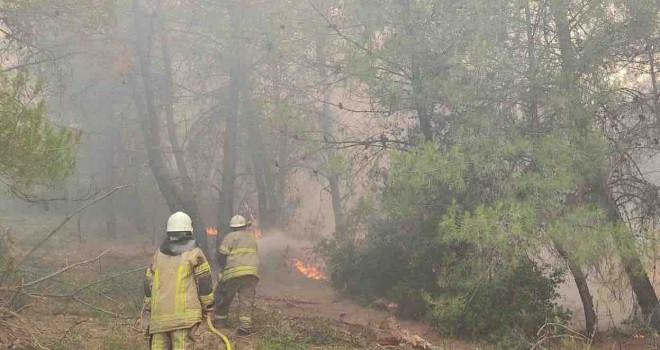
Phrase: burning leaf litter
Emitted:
{"points": [[310, 271]]}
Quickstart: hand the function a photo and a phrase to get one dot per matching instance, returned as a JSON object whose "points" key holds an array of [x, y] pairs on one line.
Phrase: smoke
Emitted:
{"points": [[277, 241]]}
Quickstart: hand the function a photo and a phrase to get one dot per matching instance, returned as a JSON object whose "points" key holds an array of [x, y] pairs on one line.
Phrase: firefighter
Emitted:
{"points": [[238, 259], [178, 288]]}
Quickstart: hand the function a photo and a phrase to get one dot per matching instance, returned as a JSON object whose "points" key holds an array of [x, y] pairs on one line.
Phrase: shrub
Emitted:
{"points": [[511, 306], [457, 228]]}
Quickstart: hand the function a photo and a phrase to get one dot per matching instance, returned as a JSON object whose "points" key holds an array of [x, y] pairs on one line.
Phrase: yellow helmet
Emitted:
{"points": [[237, 221]]}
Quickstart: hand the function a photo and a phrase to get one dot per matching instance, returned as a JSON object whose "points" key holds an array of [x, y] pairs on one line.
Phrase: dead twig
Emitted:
{"points": [[292, 301], [72, 327], [101, 280], [73, 295], [12, 313], [62, 270], [577, 336], [99, 309]]}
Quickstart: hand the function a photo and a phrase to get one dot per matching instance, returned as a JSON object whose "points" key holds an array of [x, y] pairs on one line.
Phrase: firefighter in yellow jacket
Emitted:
{"points": [[178, 288], [238, 259]]}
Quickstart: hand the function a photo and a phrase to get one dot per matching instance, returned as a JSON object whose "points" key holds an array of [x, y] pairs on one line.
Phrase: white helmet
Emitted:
{"points": [[237, 221], [179, 222]]}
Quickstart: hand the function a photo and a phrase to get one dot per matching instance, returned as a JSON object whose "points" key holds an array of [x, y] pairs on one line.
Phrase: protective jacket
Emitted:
{"points": [[240, 248], [178, 287]]}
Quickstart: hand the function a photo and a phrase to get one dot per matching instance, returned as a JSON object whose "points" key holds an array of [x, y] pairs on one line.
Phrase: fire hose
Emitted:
{"points": [[217, 332]]}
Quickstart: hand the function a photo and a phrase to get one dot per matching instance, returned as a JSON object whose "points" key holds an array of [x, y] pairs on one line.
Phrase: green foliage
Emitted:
{"points": [[461, 224], [32, 150], [492, 309]]}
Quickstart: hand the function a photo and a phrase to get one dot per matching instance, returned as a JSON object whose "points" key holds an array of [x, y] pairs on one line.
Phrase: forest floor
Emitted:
{"points": [[292, 311]]}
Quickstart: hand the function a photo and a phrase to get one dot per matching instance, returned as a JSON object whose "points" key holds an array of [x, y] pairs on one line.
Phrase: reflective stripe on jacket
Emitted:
{"points": [[174, 296], [240, 247]]}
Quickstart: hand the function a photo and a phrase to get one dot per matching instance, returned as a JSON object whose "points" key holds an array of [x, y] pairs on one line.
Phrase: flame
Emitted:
{"points": [[212, 231], [638, 336], [257, 233], [309, 271]]}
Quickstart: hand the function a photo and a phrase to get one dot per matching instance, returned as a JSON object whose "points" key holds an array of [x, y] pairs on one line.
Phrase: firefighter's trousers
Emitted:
{"points": [[178, 339], [246, 288]]}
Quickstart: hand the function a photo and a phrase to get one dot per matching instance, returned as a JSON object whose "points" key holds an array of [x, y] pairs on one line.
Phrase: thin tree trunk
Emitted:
{"points": [[654, 84], [78, 225], [113, 137], [326, 128], [279, 197], [574, 267], [137, 204], [417, 78], [236, 81], [640, 283], [420, 101], [639, 280], [110, 212], [229, 154], [580, 278], [256, 153], [110, 219]]}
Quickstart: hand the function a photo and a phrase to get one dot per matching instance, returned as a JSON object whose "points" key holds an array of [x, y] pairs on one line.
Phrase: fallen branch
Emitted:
{"points": [[577, 336], [70, 328], [106, 279], [53, 232], [12, 313], [87, 286], [99, 309], [292, 301], [405, 336], [62, 270], [73, 295], [21, 332]]}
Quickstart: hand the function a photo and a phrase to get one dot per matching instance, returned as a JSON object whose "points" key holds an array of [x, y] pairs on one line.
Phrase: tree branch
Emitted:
{"points": [[62, 270]]}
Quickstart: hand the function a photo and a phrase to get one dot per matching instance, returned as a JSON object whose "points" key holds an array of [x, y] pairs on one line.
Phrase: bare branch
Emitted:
{"points": [[62, 270]]}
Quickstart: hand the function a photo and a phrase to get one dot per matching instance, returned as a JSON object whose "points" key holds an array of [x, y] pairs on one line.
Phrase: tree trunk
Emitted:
{"points": [[420, 101], [640, 283], [112, 135], [256, 153], [326, 128], [189, 193], [137, 204], [279, 187], [583, 289], [639, 280], [139, 216], [632, 264], [654, 84], [144, 103], [417, 78], [229, 153], [574, 267], [110, 218], [236, 82], [150, 126]]}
